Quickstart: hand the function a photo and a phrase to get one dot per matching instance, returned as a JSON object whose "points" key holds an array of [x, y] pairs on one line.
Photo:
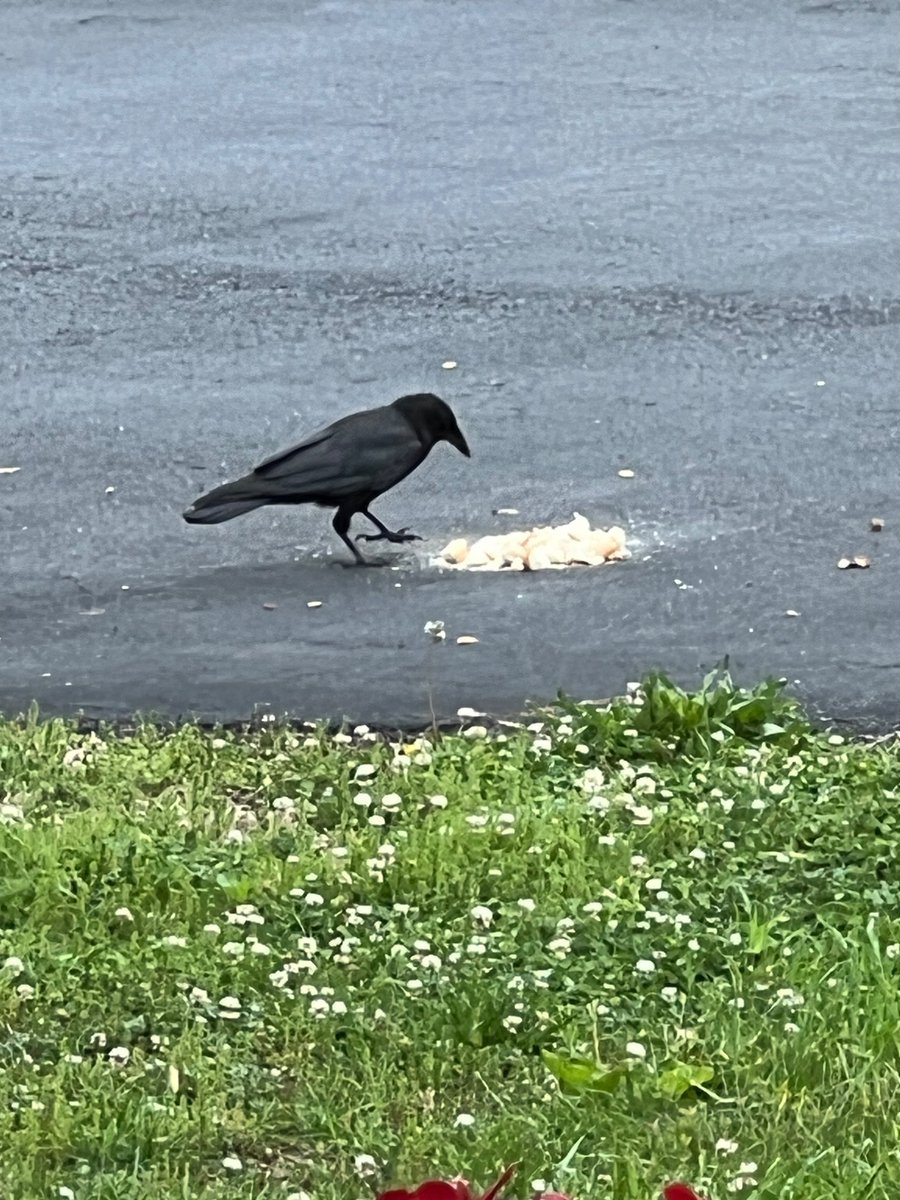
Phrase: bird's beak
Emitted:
{"points": [[456, 439]]}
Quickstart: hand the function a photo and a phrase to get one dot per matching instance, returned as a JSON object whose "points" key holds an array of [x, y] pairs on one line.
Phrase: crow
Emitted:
{"points": [[344, 466]]}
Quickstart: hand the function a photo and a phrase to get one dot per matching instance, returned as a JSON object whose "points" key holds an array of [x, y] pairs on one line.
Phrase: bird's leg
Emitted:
{"points": [[341, 525], [385, 534]]}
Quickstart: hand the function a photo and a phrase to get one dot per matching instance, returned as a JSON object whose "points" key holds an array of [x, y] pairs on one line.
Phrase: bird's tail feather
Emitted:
{"points": [[224, 503]]}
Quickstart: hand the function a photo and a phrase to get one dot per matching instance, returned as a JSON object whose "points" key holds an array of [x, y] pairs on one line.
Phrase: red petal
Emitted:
{"points": [[679, 1191], [431, 1189], [440, 1189], [496, 1188]]}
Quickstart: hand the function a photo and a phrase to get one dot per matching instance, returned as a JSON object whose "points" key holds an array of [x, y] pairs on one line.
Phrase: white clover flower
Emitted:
{"points": [[314, 900], [726, 1146], [124, 914], [635, 1050], [560, 947], [173, 939], [392, 801], [735, 938], [481, 913], [526, 904], [477, 821], [199, 995], [230, 1003], [232, 1163], [235, 948], [259, 948], [430, 962], [339, 1008], [438, 801], [698, 853], [13, 965], [365, 771], [653, 885], [119, 1055], [376, 820], [669, 994], [464, 1121], [365, 1165], [645, 966]]}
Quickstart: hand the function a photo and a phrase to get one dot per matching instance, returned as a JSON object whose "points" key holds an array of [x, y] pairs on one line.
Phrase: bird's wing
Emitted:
{"points": [[365, 452]]}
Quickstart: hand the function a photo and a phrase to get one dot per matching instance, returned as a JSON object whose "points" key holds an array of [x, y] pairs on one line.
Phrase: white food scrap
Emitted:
{"points": [[545, 547]]}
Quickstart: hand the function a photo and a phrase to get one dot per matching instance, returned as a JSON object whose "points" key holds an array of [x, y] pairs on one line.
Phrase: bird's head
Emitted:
{"points": [[433, 420]]}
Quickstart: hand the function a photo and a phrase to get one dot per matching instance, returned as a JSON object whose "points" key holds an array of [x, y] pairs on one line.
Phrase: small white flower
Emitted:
{"points": [[339, 1008], [477, 821], [645, 966], [748, 1168], [365, 771], [365, 1165], [892, 951], [653, 885], [174, 939], [124, 914], [25, 991], [790, 1027], [230, 1003], [119, 1055], [199, 995], [314, 900], [669, 994], [65, 1193], [392, 801], [376, 819], [693, 944], [438, 801], [464, 1120], [13, 965], [319, 1006], [635, 1050], [259, 948], [235, 948], [735, 938], [539, 1185], [698, 853], [414, 985], [212, 928], [232, 1163], [481, 913], [526, 904], [430, 962], [726, 1146]]}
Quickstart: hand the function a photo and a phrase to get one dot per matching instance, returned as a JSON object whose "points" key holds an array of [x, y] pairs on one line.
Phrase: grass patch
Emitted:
{"points": [[650, 942]]}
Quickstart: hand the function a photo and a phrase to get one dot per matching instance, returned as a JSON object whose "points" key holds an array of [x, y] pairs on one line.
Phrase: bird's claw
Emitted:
{"points": [[401, 535]]}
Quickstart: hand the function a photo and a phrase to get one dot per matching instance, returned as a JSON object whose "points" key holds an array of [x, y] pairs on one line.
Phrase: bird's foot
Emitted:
{"points": [[389, 535]]}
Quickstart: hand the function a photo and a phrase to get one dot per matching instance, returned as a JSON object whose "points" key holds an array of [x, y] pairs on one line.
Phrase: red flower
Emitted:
{"points": [[455, 1189], [676, 1191]]}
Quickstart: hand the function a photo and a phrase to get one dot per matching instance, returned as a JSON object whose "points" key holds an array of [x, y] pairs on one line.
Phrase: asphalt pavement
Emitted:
{"points": [[659, 235]]}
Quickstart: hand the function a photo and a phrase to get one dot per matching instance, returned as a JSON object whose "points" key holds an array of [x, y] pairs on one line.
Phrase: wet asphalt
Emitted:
{"points": [[659, 235]]}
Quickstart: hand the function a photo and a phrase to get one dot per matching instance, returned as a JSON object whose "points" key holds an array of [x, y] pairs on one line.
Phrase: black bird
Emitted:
{"points": [[344, 466]]}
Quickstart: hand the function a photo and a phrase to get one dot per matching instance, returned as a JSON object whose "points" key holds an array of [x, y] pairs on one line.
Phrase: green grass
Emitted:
{"points": [[700, 877]]}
